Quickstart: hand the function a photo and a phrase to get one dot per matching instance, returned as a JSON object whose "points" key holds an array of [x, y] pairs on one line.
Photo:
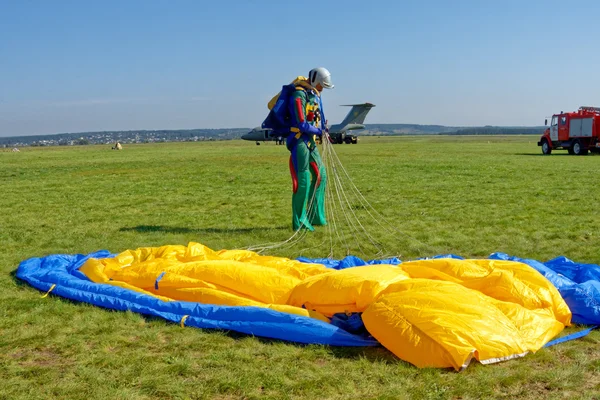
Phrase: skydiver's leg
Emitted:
{"points": [[317, 214], [299, 166]]}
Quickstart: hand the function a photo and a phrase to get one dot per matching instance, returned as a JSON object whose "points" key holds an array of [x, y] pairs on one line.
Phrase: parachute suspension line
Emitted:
{"points": [[330, 220], [357, 228], [378, 218], [296, 237], [330, 201], [366, 233], [331, 215], [336, 202], [328, 212], [363, 202], [338, 189]]}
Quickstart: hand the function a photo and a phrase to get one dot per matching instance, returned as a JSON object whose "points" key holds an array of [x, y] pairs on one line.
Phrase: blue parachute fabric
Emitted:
{"points": [[442, 256], [572, 336], [61, 275], [352, 323], [353, 261], [578, 284], [576, 272], [347, 262]]}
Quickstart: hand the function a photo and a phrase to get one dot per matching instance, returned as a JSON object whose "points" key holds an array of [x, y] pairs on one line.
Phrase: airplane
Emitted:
{"points": [[339, 132]]}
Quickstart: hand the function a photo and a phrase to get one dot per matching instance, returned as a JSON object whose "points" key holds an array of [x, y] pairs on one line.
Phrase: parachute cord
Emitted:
{"points": [[296, 237], [368, 207], [329, 205], [330, 200], [346, 229], [338, 188], [366, 233], [354, 222]]}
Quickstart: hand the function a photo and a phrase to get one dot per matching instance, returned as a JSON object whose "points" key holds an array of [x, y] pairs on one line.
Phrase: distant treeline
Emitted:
{"points": [[142, 136], [408, 129], [499, 130], [415, 129]]}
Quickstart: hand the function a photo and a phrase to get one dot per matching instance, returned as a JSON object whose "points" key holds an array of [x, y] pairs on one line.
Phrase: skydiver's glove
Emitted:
{"points": [[305, 127]]}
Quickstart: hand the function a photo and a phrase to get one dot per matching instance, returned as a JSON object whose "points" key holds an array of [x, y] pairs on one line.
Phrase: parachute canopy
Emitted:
{"points": [[439, 312]]}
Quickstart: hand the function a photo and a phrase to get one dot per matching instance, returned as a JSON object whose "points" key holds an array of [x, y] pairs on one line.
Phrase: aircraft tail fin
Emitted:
{"points": [[357, 113]]}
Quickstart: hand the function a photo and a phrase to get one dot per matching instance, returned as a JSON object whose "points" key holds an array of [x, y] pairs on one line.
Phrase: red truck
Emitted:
{"points": [[578, 132]]}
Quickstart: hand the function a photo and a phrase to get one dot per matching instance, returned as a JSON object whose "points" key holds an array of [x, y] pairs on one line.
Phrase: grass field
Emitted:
{"points": [[464, 195]]}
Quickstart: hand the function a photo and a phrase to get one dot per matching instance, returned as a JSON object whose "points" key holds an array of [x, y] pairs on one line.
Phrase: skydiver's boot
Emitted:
{"points": [[301, 179], [316, 213]]}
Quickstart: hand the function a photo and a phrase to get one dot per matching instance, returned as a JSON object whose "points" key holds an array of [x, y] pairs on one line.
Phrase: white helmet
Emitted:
{"points": [[320, 76]]}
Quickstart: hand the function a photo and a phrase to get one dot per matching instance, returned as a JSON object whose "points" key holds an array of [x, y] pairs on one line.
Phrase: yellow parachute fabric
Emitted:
{"points": [[299, 81], [431, 313], [348, 290], [454, 310], [197, 273]]}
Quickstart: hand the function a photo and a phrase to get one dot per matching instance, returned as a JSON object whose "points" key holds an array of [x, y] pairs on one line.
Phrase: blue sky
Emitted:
{"points": [[73, 66]]}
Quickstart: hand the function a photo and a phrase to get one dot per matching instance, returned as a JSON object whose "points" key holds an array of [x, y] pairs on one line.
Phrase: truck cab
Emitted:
{"points": [[577, 132]]}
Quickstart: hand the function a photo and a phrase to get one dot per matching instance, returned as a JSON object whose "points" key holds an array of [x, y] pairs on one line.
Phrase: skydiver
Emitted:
{"points": [[306, 167]]}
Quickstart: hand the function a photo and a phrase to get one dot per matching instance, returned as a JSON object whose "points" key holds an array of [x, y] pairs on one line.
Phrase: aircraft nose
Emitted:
{"points": [[245, 136]]}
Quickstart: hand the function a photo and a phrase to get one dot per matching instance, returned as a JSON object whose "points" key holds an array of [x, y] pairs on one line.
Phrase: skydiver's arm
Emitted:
{"points": [[298, 105]]}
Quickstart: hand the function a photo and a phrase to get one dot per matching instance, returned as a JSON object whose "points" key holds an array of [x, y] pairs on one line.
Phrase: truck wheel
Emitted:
{"points": [[578, 149], [546, 149]]}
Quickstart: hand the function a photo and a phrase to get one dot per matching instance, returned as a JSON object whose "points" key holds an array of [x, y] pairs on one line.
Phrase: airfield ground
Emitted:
{"points": [[464, 195]]}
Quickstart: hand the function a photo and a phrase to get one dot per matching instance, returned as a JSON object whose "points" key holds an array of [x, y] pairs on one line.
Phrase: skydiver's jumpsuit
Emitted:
{"points": [[308, 172]]}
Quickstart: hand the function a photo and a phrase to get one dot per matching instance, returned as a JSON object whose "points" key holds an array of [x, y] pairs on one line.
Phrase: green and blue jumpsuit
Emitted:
{"points": [[308, 171]]}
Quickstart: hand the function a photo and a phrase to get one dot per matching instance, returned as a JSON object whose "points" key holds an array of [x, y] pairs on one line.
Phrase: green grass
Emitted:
{"points": [[465, 195]]}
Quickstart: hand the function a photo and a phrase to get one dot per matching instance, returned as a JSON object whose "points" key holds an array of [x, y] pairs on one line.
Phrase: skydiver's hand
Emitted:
{"points": [[328, 137]]}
